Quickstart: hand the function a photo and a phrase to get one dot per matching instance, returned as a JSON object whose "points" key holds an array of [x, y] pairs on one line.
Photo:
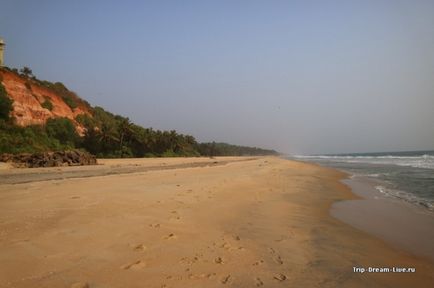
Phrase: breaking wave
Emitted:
{"points": [[423, 161]]}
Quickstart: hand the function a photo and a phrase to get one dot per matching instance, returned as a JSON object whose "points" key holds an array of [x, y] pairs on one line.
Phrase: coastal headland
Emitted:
{"points": [[190, 222]]}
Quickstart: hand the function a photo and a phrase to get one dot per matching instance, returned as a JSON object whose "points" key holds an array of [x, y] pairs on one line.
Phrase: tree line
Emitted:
{"points": [[106, 134]]}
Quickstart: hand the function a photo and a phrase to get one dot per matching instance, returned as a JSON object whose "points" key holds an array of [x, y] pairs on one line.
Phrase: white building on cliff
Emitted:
{"points": [[2, 49]]}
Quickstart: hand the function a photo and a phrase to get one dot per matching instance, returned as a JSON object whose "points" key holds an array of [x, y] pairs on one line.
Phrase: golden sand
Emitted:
{"points": [[228, 222]]}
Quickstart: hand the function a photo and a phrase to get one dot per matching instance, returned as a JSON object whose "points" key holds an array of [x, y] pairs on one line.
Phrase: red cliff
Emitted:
{"points": [[28, 96]]}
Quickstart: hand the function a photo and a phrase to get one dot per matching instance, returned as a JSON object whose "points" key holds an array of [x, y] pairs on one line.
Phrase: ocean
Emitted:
{"points": [[408, 176]]}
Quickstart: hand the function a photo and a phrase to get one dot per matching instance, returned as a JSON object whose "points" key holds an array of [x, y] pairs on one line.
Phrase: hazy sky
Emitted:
{"points": [[296, 76]]}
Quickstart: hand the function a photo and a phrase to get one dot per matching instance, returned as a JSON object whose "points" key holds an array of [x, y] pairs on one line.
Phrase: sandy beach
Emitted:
{"points": [[188, 222]]}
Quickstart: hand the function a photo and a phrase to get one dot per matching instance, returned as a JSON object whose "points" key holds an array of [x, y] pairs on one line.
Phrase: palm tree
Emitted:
{"points": [[108, 136], [125, 129]]}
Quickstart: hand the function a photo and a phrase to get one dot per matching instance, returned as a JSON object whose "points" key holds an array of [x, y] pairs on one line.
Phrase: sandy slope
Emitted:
{"points": [[258, 222]]}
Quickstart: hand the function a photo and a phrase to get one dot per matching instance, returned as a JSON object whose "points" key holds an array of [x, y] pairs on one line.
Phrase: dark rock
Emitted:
{"points": [[50, 159]]}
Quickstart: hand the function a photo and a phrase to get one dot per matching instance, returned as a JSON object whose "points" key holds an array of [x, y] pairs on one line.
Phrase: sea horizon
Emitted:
{"points": [[394, 152]]}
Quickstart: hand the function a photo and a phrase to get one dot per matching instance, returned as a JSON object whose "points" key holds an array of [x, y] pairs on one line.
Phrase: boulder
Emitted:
{"points": [[50, 159]]}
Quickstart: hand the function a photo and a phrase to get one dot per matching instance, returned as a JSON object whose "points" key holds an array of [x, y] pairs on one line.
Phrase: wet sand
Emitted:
{"points": [[249, 223], [400, 224]]}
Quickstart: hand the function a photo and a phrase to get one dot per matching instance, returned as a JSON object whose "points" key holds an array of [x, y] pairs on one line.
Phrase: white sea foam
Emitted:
{"points": [[411, 184], [375, 175], [424, 161], [406, 197], [381, 189]]}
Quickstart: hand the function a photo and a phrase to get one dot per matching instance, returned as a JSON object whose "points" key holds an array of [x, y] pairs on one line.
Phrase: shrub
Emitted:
{"points": [[85, 120], [47, 104], [169, 153], [69, 101], [31, 139], [61, 90], [26, 72], [5, 104], [63, 130]]}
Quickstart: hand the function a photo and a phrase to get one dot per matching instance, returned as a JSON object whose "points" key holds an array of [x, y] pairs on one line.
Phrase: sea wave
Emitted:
{"points": [[422, 161], [409, 197]]}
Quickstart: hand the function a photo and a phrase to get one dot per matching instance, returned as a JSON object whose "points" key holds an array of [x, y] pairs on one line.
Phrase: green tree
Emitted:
{"points": [[125, 132], [5, 104], [30, 139], [26, 71], [63, 130]]}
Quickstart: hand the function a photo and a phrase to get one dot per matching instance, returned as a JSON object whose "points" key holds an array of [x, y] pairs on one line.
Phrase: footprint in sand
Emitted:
{"points": [[257, 263], [75, 197], [218, 260], [154, 225], [140, 248], [226, 279], [226, 246], [278, 260], [80, 285], [170, 236], [281, 239], [175, 218], [279, 277], [258, 282], [276, 257], [202, 276], [175, 215], [188, 261], [137, 265]]}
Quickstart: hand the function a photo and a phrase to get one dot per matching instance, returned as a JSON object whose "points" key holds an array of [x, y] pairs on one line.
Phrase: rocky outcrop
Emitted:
{"points": [[50, 159], [28, 98]]}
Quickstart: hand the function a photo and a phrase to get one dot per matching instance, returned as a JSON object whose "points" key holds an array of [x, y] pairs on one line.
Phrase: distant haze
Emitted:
{"points": [[296, 76]]}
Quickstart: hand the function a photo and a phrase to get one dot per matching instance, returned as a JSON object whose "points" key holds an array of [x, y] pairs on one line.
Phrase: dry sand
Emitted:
{"points": [[240, 222]]}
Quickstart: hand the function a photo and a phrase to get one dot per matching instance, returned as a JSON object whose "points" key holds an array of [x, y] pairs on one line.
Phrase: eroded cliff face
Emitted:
{"points": [[28, 98]]}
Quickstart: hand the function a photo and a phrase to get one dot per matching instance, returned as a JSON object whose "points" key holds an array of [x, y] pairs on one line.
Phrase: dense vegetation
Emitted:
{"points": [[106, 134], [224, 149], [47, 104], [115, 136], [5, 103]]}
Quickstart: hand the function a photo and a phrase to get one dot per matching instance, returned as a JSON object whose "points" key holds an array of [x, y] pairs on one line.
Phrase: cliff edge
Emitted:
{"points": [[35, 101]]}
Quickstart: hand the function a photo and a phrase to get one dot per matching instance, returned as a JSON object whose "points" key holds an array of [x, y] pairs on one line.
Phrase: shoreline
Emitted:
{"points": [[401, 224], [264, 222]]}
